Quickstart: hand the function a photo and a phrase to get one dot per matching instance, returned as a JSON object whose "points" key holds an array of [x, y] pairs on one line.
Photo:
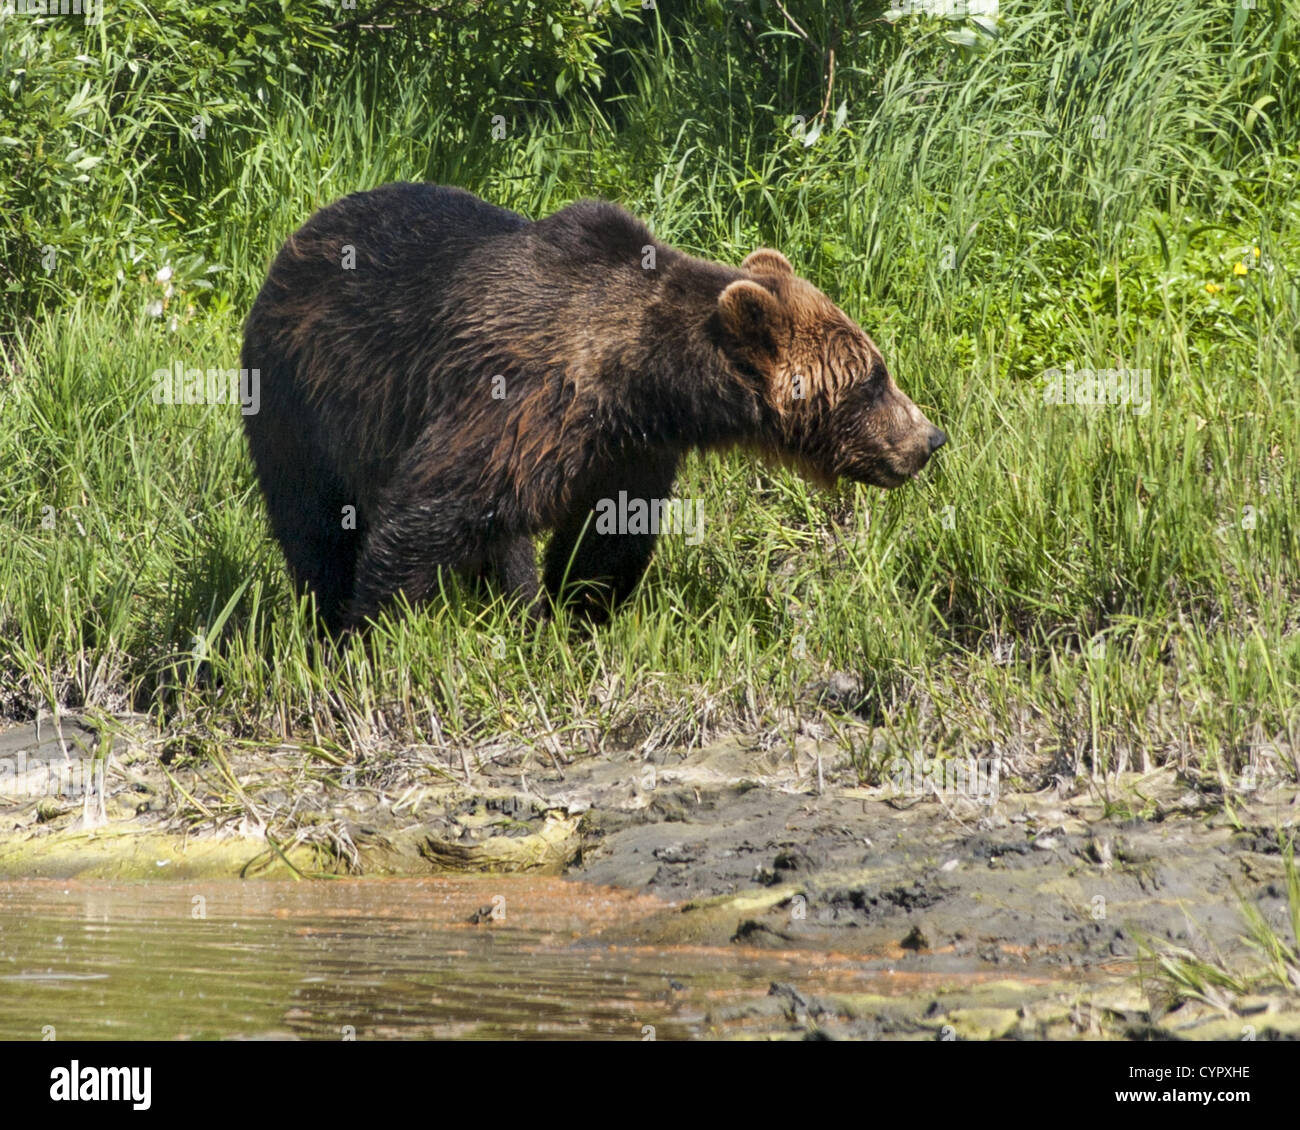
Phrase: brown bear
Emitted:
{"points": [[442, 379]]}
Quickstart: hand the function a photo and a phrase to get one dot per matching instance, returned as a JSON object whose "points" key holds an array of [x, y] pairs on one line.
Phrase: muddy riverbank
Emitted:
{"points": [[921, 913]]}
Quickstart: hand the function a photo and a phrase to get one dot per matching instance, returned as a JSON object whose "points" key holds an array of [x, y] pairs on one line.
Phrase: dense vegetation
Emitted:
{"points": [[1074, 185]]}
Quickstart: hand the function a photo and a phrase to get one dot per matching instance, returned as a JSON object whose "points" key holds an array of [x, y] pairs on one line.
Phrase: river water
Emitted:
{"points": [[368, 959]]}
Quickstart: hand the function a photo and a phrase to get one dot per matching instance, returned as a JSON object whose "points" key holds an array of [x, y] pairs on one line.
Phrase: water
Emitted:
{"points": [[374, 959]]}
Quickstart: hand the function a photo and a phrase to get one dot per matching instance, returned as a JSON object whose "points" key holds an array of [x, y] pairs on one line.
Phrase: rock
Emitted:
{"points": [[916, 939], [983, 1023]]}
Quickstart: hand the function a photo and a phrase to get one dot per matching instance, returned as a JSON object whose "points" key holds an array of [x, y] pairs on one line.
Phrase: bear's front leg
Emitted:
{"points": [[598, 569]]}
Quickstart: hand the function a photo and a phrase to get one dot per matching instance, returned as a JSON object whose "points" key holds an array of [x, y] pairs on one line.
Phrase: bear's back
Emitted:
{"points": [[407, 223], [409, 307]]}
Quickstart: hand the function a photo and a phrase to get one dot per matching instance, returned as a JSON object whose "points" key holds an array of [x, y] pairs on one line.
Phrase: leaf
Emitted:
{"points": [[210, 637], [78, 104], [1164, 243], [1255, 111]]}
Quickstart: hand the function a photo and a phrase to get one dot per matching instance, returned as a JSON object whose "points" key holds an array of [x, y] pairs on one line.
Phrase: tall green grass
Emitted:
{"points": [[1077, 588]]}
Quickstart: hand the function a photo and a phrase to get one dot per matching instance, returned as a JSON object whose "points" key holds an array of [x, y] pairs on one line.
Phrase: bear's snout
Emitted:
{"points": [[916, 440], [888, 439]]}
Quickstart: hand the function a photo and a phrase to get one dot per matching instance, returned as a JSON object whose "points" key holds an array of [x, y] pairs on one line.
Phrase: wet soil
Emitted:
{"points": [[1023, 914]]}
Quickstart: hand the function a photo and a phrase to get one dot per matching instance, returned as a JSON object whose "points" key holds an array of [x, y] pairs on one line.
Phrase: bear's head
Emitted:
{"points": [[831, 407]]}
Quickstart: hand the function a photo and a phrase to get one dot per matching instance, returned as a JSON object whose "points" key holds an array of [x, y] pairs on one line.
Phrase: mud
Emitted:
{"points": [[1015, 915]]}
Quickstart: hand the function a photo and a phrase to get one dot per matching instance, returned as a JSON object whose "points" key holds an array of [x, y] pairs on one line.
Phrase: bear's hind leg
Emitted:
{"points": [[322, 556], [307, 508], [512, 565], [407, 548]]}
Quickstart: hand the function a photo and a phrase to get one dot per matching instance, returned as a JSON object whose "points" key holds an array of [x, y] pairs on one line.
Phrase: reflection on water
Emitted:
{"points": [[372, 958]]}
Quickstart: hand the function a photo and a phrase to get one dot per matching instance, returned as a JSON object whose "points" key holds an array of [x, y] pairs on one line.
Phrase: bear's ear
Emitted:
{"points": [[767, 261], [751, 315]]}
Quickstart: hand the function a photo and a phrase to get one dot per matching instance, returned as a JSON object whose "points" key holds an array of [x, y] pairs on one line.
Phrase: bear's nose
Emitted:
{"points": [[937, 439]]}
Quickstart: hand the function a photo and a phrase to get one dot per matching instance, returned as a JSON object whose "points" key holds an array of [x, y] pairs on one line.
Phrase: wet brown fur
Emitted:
{"points": [[377, 390]]}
